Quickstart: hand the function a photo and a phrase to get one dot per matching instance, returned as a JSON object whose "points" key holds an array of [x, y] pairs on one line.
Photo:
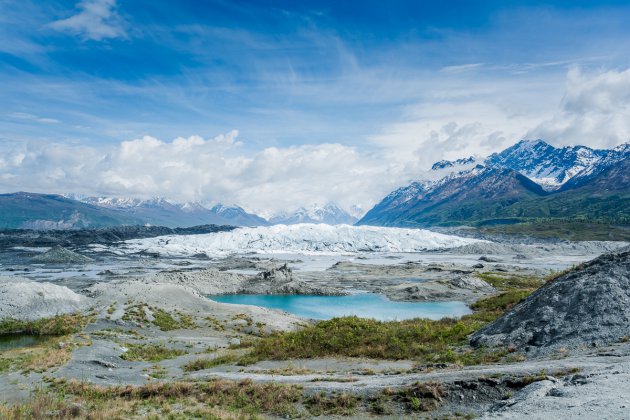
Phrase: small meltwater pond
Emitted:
{"points": [[365, 305], [16, 341]]}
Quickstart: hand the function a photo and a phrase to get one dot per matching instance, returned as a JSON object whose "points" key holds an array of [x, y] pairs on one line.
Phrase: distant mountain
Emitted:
{"points": [[237, 216], [48, 211], [530, 180], [330, 214], [162, 212]]}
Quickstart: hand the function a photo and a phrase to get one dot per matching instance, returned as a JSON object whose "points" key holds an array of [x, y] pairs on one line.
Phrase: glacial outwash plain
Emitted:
{"points": [[130, 328]]}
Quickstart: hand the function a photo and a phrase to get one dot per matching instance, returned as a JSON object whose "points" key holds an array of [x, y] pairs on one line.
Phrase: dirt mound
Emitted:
{"points": [[27, 300], [588, 306], [61, 255]]}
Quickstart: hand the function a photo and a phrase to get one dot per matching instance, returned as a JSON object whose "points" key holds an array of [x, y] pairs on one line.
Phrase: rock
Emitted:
{"points": [[27, 300], [282, 281], [488, 259], [589, 304], [478, 265], [61, 255]]}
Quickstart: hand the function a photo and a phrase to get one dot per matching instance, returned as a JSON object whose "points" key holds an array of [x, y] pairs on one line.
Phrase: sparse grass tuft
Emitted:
{"points": [[167, 322], [150, 352], [423, 396], [509, 281], [325, 405]]}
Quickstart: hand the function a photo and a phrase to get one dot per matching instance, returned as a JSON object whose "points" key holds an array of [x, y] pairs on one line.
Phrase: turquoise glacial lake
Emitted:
{"points": [[365, 305]]}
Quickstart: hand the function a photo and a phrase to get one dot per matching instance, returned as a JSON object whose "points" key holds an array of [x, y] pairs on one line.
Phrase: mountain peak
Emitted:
{"points": [[330, 213]]}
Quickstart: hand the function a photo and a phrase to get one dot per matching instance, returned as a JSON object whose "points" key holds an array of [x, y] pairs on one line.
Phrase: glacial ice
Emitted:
{"points": [[301, 239]]}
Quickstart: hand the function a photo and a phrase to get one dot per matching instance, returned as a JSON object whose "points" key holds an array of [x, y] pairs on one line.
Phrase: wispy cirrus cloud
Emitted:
{"points": [[31, 117], [96, 20]]}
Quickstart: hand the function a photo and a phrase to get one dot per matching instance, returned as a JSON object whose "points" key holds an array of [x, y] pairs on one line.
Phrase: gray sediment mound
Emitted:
{"points": [[275, 281], [27, 300], [175, 298], [61, 255], [282, 281], [464, 288], [588, 306], [207, 282]]}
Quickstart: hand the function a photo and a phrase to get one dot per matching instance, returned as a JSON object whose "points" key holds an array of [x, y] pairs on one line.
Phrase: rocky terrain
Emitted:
{"points": [[146, 320], [587, 307]]}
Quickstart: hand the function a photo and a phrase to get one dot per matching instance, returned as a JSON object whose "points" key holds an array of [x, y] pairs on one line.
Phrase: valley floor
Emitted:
{"points": [[147, 323]]}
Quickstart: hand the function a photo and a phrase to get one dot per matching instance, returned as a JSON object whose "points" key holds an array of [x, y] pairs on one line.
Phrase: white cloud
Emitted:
{"points": [[595, 111], [96, 20], [216, 169]]}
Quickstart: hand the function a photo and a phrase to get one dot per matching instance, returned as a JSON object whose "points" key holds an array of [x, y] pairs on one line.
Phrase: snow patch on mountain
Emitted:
{"points": [[300, 238]]}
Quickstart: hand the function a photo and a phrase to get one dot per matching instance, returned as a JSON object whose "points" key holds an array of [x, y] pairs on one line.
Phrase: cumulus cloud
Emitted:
{"points": [[207, 170], [595, 110], [96, 20]]}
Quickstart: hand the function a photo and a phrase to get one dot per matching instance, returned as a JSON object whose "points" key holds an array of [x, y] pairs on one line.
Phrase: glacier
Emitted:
{"points": [[300, 239]]}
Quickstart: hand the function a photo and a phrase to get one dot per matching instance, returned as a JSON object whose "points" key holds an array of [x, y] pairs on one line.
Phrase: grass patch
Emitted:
{"points": [[149, 352], [53, 326], [164, 321], [419, 339], [136, 313], [509, 281], [206, 363], [321, 404], [488, 309], [167, 322], [245, 396]]}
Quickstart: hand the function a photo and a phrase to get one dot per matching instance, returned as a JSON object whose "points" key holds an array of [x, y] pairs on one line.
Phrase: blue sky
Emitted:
{"points": [[396, 84]]}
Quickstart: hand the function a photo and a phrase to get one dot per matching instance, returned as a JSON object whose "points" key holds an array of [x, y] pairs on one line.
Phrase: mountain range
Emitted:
{"points": [[48, 211], [531, 180]]}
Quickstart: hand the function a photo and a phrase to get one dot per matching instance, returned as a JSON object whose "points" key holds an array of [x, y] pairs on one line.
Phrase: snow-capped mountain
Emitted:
{"points": [[546, 165], [530, 180], [330, 214], [162, 212]]}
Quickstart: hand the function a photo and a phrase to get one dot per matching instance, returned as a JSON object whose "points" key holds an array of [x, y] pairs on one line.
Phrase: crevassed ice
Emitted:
{"points": [[301, 238]]}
